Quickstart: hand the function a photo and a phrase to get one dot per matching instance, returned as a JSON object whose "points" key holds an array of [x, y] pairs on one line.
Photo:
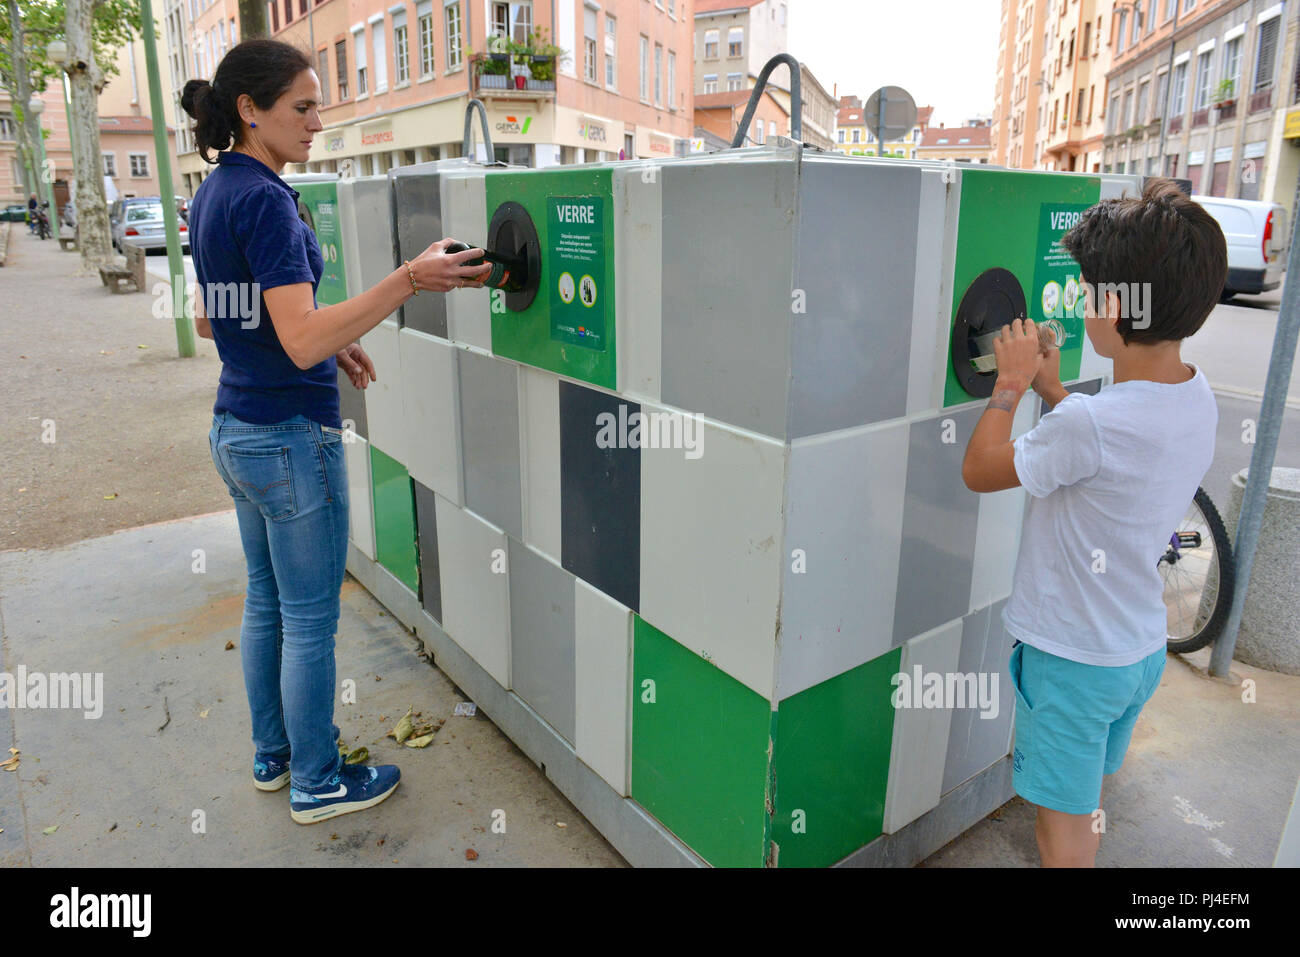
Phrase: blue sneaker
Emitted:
{"points": [[271, 774], [353, 788]]}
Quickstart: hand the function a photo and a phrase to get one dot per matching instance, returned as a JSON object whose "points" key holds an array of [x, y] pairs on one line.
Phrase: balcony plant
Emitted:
{"points": [[1224, 94]]}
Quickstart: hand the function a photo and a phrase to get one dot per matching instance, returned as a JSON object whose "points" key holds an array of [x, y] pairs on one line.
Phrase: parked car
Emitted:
{"points": [[141, 224], [17, 213], [117, 211], [1258, 238]]}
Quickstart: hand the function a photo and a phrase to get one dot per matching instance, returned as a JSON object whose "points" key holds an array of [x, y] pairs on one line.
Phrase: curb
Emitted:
{"points": [[1235, 393], [4, 241]]}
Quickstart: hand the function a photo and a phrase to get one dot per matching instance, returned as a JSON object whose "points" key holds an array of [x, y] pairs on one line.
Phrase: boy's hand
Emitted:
{"points": [[1048, 381], [1018, 354]]}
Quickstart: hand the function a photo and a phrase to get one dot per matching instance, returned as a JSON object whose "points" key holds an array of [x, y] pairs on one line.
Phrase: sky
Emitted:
{"points": [[943, 52]]}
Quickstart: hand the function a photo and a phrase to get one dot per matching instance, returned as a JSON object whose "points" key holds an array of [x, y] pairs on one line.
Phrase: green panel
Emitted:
{"points": [[560, 331], [832, 764], [699, 750], [322, 202], [394, 499], [1006, 220]]}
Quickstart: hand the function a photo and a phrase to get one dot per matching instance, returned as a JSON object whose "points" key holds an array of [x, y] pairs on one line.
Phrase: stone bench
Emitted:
{"points": [[133, 271]]}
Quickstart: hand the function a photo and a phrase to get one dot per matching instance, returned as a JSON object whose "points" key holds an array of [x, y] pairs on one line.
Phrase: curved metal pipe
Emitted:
{"points": [[796, 100], [467, 142]]}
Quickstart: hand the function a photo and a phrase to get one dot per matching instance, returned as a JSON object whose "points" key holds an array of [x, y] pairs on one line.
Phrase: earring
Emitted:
{"points": [[253, 125]]}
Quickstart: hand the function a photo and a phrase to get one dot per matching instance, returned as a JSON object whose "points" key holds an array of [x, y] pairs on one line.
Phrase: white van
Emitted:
{"points": [[1257, 236]]}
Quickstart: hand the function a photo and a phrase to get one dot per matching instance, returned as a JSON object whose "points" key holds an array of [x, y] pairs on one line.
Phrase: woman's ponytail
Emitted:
{"points": [[214, 120]]}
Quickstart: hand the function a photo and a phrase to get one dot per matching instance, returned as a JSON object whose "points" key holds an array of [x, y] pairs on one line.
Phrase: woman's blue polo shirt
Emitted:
{"points": [[246, 237]]}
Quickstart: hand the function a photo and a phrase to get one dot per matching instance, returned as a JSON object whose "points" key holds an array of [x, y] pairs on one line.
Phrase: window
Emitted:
{"points": [[710, 44], [734, 81], [589, 44], [672, 80], [288, 12], [110, 164], [645, 68], [381, 58], [659, 74], [1123, 22], [1202, 98], [1136, 35], [1126, 120], [221, 37], [1267, 51], [736, 41], [611, 52], [1140, 108], [1162, 94], [841, 132], [1113, 119], [1180, 90], [1092, 94], [323, 71], [1169, 9], [1232, 60], [234, 36], [139, 164], [1087, 38], [302, 8], [401, 50], [359, 49], [711, 83], [425, 28], [341, 63], [857, 135], [513, 20], [7, 128], [1078, 107], [452, 56]]}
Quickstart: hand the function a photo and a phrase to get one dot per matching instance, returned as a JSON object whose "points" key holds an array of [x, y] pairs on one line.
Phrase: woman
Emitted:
{"points": [[276, 434]]}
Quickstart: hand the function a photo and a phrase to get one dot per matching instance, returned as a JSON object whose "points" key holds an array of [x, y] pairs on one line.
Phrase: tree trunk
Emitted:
{"points": [[22, 93], [252, 19], [93, 240]]}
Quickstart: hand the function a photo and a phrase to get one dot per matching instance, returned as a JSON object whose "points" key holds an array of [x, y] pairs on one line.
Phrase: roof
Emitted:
{"points": [[731, 98], [712, 6], [126, 124], [923, 114], [852, 115], [978, 136]]}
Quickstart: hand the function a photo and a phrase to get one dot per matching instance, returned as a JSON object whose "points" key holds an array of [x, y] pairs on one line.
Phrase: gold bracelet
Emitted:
{"points": [[411, 275]]}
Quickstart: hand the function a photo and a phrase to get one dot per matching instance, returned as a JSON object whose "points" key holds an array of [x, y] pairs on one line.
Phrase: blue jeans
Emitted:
{"points": [[289, 483]]}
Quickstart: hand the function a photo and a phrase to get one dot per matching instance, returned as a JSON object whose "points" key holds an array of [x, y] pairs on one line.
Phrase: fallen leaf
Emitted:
{"points": [[377, 678], [356, 756], [142, 347], [560, 824], [421, 742], [113, 828], [22, 490], [230, 646], [403, 729], [204, 712], [51, 829], [471, 855], [114, 495]]}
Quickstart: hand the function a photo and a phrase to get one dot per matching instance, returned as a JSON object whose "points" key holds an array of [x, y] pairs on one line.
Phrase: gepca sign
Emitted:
{"points": [[513, 125], [592, 131]]}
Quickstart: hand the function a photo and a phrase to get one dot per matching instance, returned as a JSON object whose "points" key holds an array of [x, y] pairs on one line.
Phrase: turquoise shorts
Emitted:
{"points": [[1073, 724]]}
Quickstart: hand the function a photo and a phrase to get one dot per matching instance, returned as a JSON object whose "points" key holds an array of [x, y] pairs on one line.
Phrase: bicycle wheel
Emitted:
{"points": [[1199, 575]]}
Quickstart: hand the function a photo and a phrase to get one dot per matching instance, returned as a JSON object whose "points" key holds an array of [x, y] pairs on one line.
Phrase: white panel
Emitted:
{"points": [[932, 293], [539, 453], [384, 396], [464, 217], [475, 599], [920, 743], [602, 664], [845, 514], [430, 417], [997, 536], [361, 520], [639, 265], [711, 548]]}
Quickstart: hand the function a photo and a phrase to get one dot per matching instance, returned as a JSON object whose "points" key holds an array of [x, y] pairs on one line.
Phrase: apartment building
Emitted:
{"points": [[733, 41], [962, 144], [198, 34], [396, 78], [17, 180], [1078, 43], [1203, 91], [1019, 88]]}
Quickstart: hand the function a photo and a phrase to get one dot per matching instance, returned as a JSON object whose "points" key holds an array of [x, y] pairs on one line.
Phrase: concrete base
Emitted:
{"points": [[636, 835], [1268, 637]]}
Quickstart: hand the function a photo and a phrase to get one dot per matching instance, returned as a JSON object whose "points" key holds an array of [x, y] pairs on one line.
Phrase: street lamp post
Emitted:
{"points": [[36, 106], [57, 51]]}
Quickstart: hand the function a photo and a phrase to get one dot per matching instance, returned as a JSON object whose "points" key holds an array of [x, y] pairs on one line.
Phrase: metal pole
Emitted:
{"points": [[880, 124], [175, 265], [1169, 92], [42, 177], [1261, 459]]}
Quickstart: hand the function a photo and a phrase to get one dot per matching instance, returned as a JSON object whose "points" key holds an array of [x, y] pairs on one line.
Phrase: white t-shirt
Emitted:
{"points": [[1110, 478]]}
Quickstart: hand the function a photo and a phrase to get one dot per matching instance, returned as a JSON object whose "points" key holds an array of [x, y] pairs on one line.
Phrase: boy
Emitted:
{"points": [[1109, 477]]}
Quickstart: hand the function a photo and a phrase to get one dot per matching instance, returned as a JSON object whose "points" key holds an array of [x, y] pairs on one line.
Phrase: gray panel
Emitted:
{"points": [[852, 343], [728, 237], [940, 517], [417, 214], [1086, 387], [542, 670], [489, 429], [975, 742], [352, 405], [374, 226]]}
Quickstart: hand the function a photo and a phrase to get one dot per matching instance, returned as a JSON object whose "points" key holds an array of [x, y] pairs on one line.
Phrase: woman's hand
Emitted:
{"points": [[353, 360], [442, 272], [1019, 356]]}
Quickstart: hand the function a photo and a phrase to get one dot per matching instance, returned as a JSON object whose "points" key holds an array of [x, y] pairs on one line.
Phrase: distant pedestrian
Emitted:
{"points": [[276, 434], [32, 206]]}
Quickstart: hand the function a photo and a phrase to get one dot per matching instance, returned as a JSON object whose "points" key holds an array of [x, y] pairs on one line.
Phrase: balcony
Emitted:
{"points": [[1227, 110], [1200, 118], [1175, 125], [1260, 101], [505, 76]]}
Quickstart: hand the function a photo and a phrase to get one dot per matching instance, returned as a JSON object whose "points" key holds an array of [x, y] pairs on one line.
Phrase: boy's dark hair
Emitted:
{"points": [[263, 69], [1164, 239]]}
